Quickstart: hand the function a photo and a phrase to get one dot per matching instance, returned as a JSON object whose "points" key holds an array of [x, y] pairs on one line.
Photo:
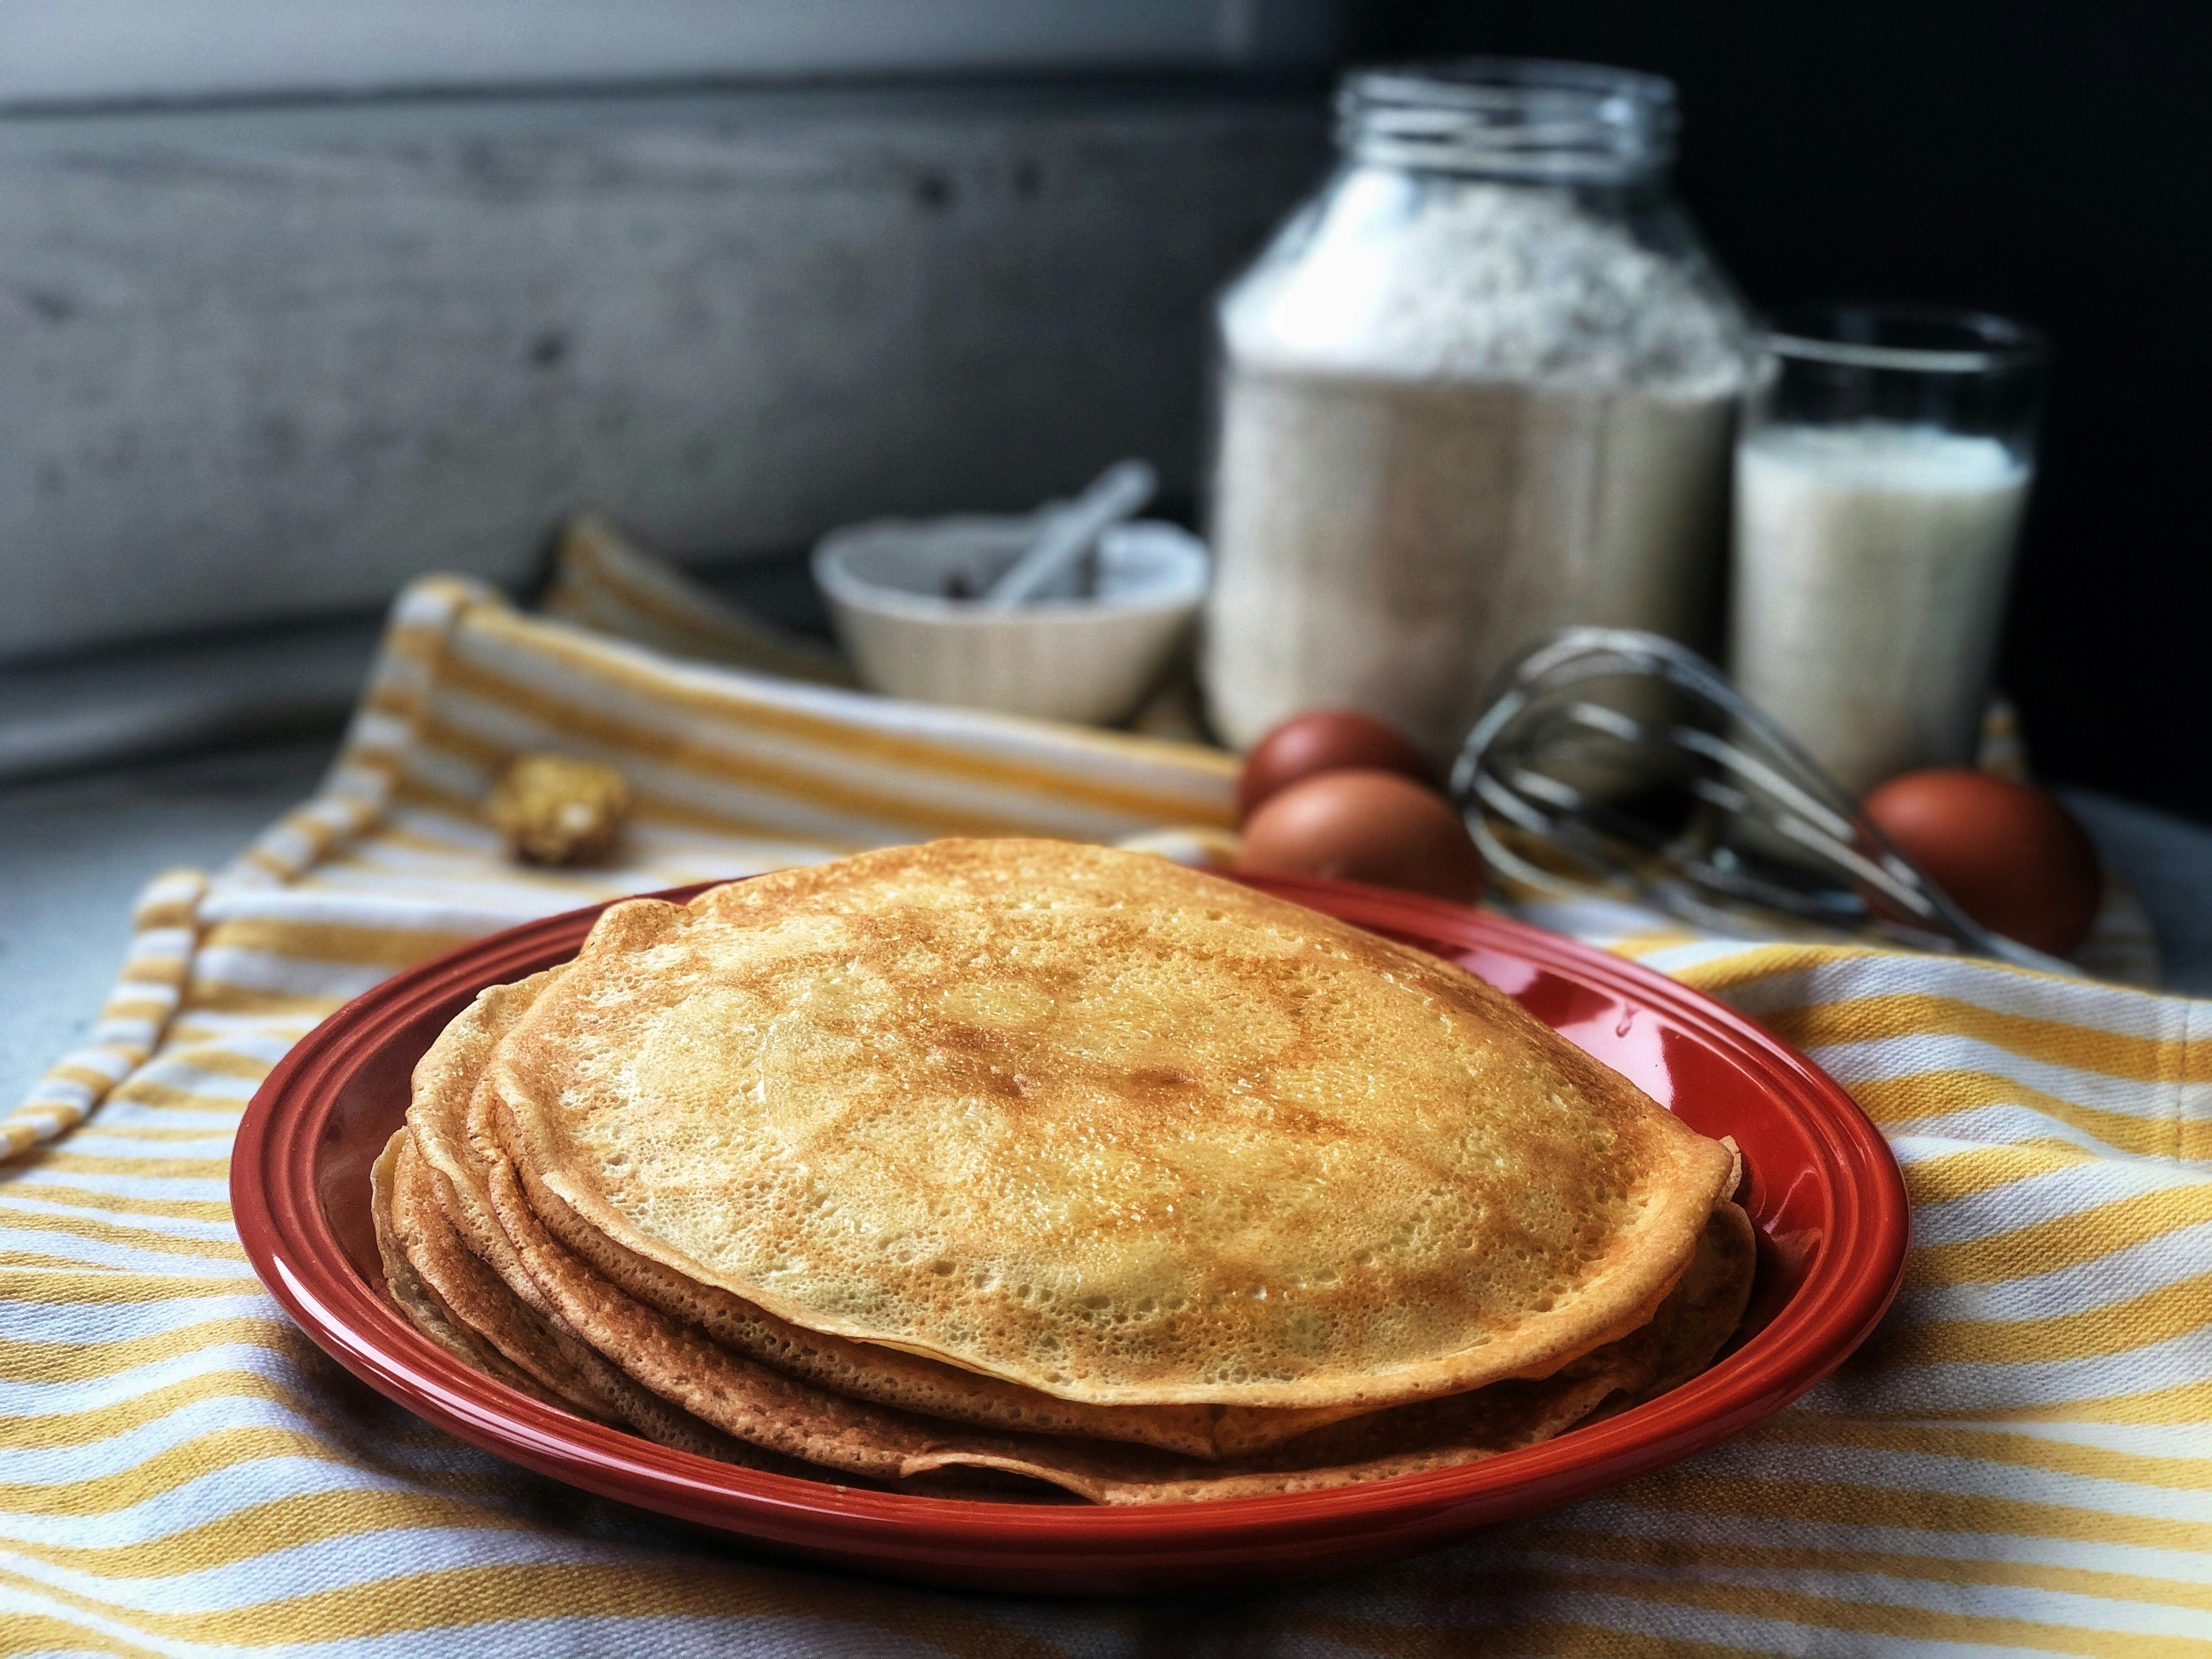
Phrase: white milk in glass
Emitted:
{"points": [[1870, 568]]}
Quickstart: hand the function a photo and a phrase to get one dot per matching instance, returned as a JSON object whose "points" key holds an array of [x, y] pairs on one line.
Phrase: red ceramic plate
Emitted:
{"points": [[1822, 1186]]}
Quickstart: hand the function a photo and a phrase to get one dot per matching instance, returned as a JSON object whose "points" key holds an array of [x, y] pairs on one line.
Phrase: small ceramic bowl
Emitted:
{"points": [[903, 596]]}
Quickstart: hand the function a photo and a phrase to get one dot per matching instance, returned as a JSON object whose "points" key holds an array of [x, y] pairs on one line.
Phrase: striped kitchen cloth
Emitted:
{"points": [[2019, 1461]]}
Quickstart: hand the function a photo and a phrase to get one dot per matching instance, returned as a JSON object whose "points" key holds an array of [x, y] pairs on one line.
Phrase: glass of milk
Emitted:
{"points": [[1881, 473]]}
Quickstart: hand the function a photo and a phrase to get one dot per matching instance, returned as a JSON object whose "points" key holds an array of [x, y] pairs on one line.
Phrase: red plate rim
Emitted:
{"points": [[291, 1246]]}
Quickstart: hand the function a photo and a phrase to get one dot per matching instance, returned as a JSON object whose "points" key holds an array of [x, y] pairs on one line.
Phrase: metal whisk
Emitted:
{"points": [[1623, 760]]}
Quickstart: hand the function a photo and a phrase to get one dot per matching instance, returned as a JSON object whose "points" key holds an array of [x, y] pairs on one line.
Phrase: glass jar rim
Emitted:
{"points": [[1926, 340], [1534, 117]]}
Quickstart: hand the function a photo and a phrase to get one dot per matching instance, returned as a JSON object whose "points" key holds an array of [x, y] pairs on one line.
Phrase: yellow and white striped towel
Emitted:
{"points": [[2018, 1463]]}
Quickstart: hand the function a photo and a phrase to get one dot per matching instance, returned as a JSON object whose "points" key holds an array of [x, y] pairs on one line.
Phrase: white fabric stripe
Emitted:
{"points": [[785, 813], [144, 990], [70, 1397], [22, 1203], [107, 1062], [327, 1565], [1072, 752], [1988, 1385], [2045, 1195], [1989, 986], [161, 944], [92, 1326], [383, 912], [527, 1637], [464, 835], [1643, 1618], [1892, 1058], [1611, 1517], [58, 1092], [242, 1036], [2013, 1125], [2134, 1269], [107, 1137], [1965, 1476], [188, 1077], [140, 1257], [1967, 1600], [2177, 1440], [154, 1189], [123, 1113], [264, 971], [131, 1031]]}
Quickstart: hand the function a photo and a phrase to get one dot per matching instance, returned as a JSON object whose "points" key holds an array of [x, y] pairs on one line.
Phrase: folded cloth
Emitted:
{"points": [[2019, 1461]]}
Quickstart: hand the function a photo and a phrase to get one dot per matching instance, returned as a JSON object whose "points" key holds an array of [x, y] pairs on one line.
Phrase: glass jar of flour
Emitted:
{"points": [[1481, 386]]}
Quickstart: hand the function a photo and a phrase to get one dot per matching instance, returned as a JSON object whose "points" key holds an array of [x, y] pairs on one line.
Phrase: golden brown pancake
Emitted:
{"points": [[855, 1439], [472, 1296], [414, 1298], [1105, 1127], [445, 1082], [460, 1246], [1712, 1297]]}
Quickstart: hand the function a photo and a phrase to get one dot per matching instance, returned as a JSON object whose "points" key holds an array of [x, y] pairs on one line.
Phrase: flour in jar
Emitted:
{"points": [[1454, 416]]}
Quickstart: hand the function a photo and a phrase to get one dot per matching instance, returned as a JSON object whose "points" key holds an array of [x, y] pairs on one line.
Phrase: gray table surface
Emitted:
{"points": [[74, 853]]}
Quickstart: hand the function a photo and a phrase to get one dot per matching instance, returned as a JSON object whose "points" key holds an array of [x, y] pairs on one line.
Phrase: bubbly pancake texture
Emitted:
{"points": [[1102, 1125]]}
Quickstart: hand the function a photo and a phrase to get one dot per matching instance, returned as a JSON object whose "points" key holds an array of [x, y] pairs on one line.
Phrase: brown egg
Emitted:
{"points": [[1326, 740], [1364, 825], [2011, 856]]}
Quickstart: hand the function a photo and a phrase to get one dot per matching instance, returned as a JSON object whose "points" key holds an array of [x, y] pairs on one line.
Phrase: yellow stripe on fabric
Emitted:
{"points": [[1637, 945], [2138, 1321], [1893, 1101], [2183, 1402], [52, 1431], [455, 1598], [157, 1169], [840, 731], [1724, 974], [165, 1470], [283, 1523], [1555, 1638], [24, 1130], [1692, 1555], [1707, 1493], [585, 564], [1837, 1612], [156, 970], [2055, 1042], [163, 1132], [1981, 1169], [85, 1077], [80, 1362], [810, 788], [145, 1008], [2025, 1451], [105, 1232], [64, 1263], [2062, 1241], [167, 1097], [1524, 1585], [213, 1057], [219, 999], [40, 1632], [369, 947], [81, 1284], [83, 1198], [649, 808], [840, 737]]}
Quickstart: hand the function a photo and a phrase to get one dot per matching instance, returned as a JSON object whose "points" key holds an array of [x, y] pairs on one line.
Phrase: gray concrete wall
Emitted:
{"points": [[264, 362]]}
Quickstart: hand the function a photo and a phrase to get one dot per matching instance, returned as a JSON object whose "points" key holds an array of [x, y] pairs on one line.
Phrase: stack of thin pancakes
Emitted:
{"points": [[1024, 1168]]}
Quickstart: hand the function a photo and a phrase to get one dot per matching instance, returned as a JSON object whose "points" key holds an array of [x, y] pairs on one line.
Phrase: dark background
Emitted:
{"points": [[2045, 162]]}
